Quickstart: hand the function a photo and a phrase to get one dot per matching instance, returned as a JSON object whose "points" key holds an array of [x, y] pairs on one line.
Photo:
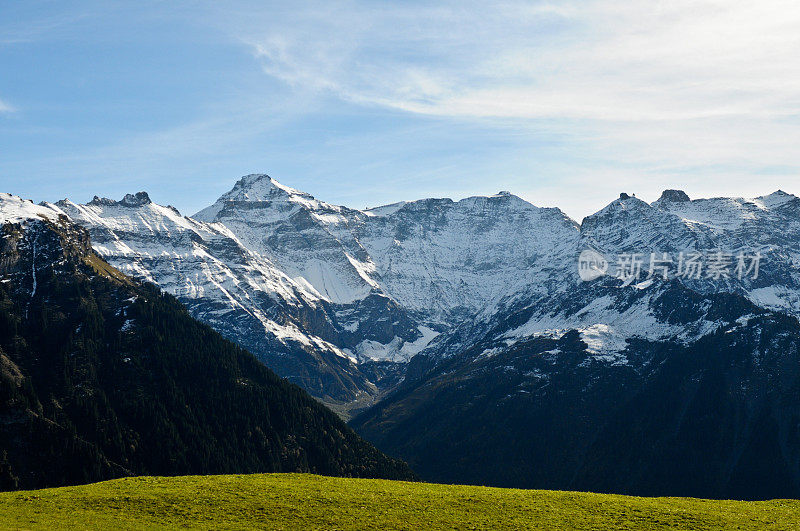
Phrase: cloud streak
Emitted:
{"points": [[629, 61], [666, 85]]}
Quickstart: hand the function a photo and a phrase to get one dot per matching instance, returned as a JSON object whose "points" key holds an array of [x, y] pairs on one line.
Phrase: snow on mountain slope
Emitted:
{"points": [[241, 292], [14, 209], [268, 264], [186, 258], [237, 291], [310, 240], [608, 312], [770, 221], [447, 259], [437, 257], [768, 225]]}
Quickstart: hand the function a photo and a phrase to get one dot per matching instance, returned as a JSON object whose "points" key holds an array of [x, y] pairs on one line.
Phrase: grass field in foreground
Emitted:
{"points": [[294, 501]]}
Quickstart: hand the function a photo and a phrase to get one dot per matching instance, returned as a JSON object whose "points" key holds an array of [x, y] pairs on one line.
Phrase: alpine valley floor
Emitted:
{"points": [[292, 501]]}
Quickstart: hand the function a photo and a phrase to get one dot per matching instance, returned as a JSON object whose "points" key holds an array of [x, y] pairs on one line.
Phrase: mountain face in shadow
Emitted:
{"points": [[715, 418]]}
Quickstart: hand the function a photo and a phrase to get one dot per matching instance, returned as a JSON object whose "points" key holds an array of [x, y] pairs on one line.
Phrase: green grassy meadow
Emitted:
{"points": [[302, 501]]}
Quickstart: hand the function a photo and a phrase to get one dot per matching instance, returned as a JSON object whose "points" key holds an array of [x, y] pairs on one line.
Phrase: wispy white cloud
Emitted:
{"points": [[705, 87], [5, 107], [627, 61]]}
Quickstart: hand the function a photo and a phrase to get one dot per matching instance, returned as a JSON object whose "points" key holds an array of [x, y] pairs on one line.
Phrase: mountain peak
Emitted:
{"points": [[257, 188], [625, 202], [135, 200], [130, 200], [674, 196], [505, 195], [96, 200], [260, 187], [776, 199]]}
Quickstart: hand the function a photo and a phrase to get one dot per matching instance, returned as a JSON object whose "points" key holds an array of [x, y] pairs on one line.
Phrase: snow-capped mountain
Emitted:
{"points": [[608, 312], [14, 209], [239, 292], [436, 257], [339, 299], [714, 416], [341, 290], [308, 238], [450, 259]]}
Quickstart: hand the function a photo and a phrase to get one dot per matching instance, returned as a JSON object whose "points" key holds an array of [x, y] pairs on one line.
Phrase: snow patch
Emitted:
{"points": [[397, 349], [14, 209], [605, 343]]}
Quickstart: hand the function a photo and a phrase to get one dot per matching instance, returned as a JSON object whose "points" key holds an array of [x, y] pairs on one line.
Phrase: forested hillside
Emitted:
{"points": [[101, 377]]}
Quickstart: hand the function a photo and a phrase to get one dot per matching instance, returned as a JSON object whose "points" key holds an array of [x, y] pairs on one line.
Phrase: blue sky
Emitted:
{"points": [[364, 103]]}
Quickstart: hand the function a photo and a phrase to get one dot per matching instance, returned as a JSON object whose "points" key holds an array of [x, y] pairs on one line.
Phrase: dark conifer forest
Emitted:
{"points": [[102, 376]]}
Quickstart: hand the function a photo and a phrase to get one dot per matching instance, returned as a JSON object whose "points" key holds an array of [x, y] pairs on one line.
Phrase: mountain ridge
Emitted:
{"points": [[327, 295]]}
